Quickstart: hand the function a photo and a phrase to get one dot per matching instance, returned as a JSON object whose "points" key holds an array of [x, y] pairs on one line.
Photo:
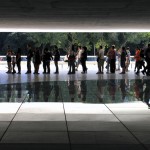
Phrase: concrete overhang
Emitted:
{"points": [[74, 16]]}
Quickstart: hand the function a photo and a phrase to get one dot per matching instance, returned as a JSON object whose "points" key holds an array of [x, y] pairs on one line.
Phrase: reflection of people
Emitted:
{"points": [[9, 92], [83, 90], [19, 89], [100, 89], [72, 90], [123, 89], [36, 94], [147, 93], [30, 91], [47, 89], [112, 88], [56, 91], [138, 88]]}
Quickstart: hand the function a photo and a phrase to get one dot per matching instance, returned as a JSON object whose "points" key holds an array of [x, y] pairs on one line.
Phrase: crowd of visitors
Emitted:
{"points": [[79, 57]]}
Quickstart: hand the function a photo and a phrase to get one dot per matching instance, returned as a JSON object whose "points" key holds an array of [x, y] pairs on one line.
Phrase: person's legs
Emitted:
{"points": [[48, 67], [9, 67], [44, 66], [56, 65], [28, 66], [19, 67]]}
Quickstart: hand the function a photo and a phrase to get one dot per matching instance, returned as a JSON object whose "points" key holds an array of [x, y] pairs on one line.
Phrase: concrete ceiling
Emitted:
{"points": [[86, 15]]}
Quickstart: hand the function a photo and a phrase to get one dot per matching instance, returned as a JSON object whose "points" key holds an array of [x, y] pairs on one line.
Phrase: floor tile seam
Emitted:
{"points": [[11, 120], [32, 131], [133, 135], [69, 138]]}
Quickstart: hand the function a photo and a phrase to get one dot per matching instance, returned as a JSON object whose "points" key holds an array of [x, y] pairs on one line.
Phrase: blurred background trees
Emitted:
{"points": [[65, 40]]}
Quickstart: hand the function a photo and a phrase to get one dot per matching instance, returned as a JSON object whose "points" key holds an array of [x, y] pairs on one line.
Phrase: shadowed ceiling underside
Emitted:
{"points": [[75, 14]]}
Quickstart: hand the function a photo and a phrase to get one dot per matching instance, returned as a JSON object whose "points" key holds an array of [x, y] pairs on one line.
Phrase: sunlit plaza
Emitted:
{"points": [[78, 111]]}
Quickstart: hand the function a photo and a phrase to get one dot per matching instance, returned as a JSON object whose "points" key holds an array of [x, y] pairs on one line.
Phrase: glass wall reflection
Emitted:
{"points": [[100, 91]]}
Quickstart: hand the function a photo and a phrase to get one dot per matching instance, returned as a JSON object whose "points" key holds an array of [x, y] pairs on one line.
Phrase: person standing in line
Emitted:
{"points": [[128, 54], [8, 58], [13, 62], [56, 59], [147, 59], [100, 60], [78, 57], [47, 57], [123, 60], [71, 60], [83, 59], [18, 60], [29, 56], [118, 53], [36, 60], [112, 57], [138, 60]]}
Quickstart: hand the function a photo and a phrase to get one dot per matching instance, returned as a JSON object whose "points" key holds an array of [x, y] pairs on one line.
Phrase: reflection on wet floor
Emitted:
{"points": [[100, 91]]}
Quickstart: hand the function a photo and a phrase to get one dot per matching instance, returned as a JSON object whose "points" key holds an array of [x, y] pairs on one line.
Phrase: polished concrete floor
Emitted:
{"points": [[74, 112]]}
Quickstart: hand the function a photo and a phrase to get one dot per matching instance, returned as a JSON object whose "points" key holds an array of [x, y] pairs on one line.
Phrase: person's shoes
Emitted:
{"points": [[69, 72], [44, 72], [122, 72], [18, 73], [13, 72], [8, 72], [137, 73], [148, 74], [83, 72], [72, 72], [36, 73], [98, 73], [117, 69], [107, 72], [56, 72], [28, 73], [47, 72], [143, 72], [101, 72], [76, 69]]}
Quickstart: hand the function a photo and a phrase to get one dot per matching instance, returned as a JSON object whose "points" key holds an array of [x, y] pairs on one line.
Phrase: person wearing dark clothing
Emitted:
{"points": [[47, 57], [138, 60], [29, 56], [123, 60], [143, 61], [71, 61], [13, 63], [83, 59], [112, 57], [18, 60], [36, 60], [56, 59], [147, 59], [8, 59]]}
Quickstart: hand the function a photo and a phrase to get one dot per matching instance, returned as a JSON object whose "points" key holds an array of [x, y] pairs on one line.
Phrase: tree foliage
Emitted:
{"points": [[65, 40]]}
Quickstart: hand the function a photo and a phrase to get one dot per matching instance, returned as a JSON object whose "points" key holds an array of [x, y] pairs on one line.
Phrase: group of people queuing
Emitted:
{"points": [[77, 56], [35, 56], [123, 58]]}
